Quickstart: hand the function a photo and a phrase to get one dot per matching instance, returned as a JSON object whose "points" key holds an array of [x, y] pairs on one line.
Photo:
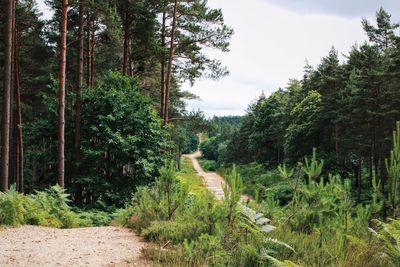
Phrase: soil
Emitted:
{"points": [[96, 246]]}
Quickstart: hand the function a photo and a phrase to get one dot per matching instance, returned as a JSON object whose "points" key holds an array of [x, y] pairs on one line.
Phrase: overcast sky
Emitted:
{"points": [[272, 41]]}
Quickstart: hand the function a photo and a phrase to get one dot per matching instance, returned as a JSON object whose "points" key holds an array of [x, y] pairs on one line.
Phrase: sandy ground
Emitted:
{"points": [[31, 246], [214, 182], [47, 247]]}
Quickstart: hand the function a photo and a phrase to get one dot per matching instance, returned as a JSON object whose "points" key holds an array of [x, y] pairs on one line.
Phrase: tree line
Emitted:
{"points": [[346, 110], [160, 44]]}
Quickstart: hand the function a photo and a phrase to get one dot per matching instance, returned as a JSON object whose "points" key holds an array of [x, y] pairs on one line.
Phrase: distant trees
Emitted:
{"points": [[347, 111]]}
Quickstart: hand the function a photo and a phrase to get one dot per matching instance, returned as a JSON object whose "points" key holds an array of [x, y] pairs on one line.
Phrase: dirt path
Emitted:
{"points": [[47, 247], [213, 181]]}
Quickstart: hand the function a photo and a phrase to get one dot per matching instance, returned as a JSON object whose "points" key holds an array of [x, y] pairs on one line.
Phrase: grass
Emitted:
{"points": [[189, 175]]}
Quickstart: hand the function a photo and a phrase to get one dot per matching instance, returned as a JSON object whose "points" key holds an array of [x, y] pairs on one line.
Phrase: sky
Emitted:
{"points": [[272, 41]]}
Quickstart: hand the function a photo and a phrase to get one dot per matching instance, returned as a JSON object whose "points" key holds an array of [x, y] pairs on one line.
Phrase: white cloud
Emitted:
{"points": [[269, 47]]}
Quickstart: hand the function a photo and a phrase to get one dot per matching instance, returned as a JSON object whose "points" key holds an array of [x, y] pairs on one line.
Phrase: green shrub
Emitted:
{"points": [[95, 217], [209, 165], [175, 231], [46, 208], [12, 207], [207, 250]]}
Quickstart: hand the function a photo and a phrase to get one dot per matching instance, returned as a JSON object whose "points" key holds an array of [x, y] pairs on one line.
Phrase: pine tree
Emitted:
{"points": [[5, 133], [61, 114]]}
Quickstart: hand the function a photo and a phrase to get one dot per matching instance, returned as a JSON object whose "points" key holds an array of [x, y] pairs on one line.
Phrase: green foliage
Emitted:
{"points": [[175, 193], [209, 165], [388, 235], [188, 175], [393, 170], [95, 217], [175, 231], [121, 141], [318, 218], [209, 148], [12, 207], [312, 167], [45, 208], [303, 129], [232, 193], [221, 129], [201, 230]]}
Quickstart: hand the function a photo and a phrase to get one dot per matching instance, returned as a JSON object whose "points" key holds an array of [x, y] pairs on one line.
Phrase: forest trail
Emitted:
{"points": [[213, 181], [46, 247]]}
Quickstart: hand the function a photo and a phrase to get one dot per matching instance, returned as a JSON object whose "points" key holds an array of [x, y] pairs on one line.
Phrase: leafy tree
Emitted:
{"points": [[304, 128], [121, 140]]}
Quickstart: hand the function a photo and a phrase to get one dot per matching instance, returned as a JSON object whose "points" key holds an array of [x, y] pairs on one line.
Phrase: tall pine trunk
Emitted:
{"points": [[5, 133], [13, 145], [61, 121], [125, 64], [78, 105], [163, 44], [19, 161], [89, 48], [169, 70], [337, 142], [92, 53]]}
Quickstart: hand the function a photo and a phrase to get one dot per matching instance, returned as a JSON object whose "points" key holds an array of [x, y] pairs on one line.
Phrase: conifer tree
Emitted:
{"points": [[61, 112], [5, 133]]}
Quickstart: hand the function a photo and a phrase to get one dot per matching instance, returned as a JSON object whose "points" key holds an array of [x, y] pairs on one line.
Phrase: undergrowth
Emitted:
{"points": [[46, 208], [195, 229]]}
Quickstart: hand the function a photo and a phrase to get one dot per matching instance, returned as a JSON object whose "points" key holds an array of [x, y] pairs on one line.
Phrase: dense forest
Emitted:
{"points": [[95, 132], [321, 156], [346, 110], [85, 91]]}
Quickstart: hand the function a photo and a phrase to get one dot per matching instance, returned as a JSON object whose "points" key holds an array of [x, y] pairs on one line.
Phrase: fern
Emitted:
{"points": [[279, 263], [389, 236], [12, 207]]}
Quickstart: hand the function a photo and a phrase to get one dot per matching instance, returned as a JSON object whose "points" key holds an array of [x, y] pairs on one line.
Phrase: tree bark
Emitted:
{"points": [[13, 145], [163, 44], [78, 105], [131, 64], [18, 118], [61, 122], [169, 70], [337, 142], [126, 41], [5, 133], [89, 48], [92, 52]]}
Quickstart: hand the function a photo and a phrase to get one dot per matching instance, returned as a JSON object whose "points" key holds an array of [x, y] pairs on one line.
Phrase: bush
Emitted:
{"points": [[12, 207], [209, 148], [95, 217], [175, 231], [201, 230], [45, 208], [209, 165], [121, 142]]}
